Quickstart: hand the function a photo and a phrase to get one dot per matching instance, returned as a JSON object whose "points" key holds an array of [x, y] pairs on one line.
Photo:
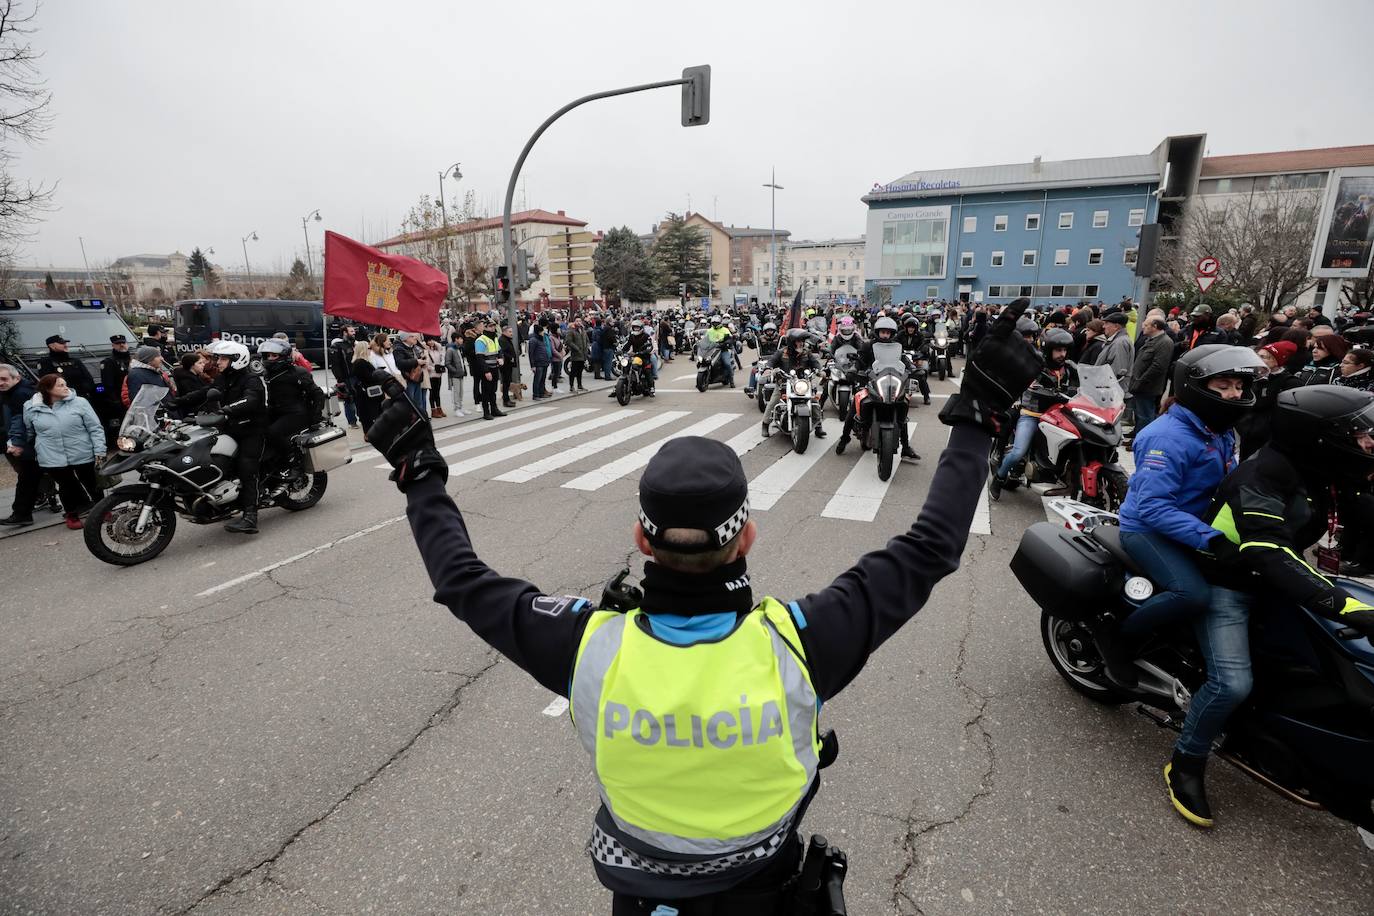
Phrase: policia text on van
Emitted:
{"points": [[699, 709]]}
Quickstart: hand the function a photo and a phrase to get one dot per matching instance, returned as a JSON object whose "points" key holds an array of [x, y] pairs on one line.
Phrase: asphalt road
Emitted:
{"points": [[288, 724]]}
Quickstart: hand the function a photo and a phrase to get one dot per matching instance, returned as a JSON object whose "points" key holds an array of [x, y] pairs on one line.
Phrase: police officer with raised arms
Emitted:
{"points": [[707, 759]]}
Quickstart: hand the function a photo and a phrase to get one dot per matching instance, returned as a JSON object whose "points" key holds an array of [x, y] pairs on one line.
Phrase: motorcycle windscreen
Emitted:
{"points": [[704, 347], [141, 420], [1098, 387], [888, 356], [940, 333], [845, 356]]}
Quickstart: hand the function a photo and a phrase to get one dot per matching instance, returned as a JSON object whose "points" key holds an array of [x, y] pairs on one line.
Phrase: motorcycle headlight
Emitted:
{"points": [[1088, 416], [126, 444], [801, 387], [889, 388], [941, 341]]}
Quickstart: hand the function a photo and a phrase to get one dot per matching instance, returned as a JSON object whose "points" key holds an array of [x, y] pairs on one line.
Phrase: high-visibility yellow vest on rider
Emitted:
{"points": [[700, 749]]}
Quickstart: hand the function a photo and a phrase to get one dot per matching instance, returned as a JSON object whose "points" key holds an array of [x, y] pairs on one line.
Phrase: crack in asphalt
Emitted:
{"points": [[265, 864], [978, 702]]}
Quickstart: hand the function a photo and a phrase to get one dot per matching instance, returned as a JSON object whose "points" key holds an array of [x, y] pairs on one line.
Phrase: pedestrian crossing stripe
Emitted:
{"points": [[595, 480], [368, 454], [859, 497]]}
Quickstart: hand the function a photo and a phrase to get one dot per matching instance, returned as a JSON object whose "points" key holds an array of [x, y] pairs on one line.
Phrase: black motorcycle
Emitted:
{"points": [[711, 362], [635, 376], [941, 351], [1307, 729], [187, 469], [882, 404]]}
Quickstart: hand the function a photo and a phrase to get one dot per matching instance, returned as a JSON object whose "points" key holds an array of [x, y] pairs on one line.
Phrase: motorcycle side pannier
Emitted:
{"points": [[1065, 572], [324, 447]]}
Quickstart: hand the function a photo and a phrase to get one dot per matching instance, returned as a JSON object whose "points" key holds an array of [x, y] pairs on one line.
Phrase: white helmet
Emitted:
{"points": [[237, 353]]}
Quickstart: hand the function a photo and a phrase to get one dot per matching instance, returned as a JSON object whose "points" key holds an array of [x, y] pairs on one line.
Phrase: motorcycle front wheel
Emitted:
{"points": [[701, 380], [1073, 655], [622, 391], [110, 534], [887, 451], [942, 369], [1113, 486], [304, 495], [761, 398], [801, 434]]}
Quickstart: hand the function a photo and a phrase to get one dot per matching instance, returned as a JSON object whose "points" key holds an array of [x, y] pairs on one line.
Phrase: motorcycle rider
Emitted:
{"points": [[294, 401], [884, 331], [1057, 380], [793, 354], [914, 342], [768, 345], [665, 840], [1181, 459], [846, 335], [1269, 511], [719, 335], [241, 391], [640, 343]]}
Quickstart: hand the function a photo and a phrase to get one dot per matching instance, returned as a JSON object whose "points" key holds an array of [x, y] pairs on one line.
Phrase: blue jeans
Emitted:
{"points": [[608, 364], [1223, 634], [418, 396], [1020, 444], [540, 374], [1146, 407], [1180, 591], [350, 406]]}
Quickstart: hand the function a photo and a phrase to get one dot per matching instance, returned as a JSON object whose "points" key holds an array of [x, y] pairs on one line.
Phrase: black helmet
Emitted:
{"points": [[1055, 338], [1201, 364], [1317, 427]]}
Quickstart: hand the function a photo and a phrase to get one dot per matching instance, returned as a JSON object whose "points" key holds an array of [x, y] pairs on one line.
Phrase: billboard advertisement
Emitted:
{"points": [[1345, 227]]}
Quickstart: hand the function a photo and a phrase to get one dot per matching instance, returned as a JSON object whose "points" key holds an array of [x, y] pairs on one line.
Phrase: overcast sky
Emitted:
{"points": [[183, 123]]}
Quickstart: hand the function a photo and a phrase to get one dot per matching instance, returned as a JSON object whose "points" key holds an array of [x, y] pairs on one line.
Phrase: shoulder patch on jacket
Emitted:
{"points": [[554, 605]]}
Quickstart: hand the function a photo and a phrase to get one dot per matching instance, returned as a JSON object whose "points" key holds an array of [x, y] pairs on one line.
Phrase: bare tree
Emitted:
{"points": [[24, 117], [1263, 241]]}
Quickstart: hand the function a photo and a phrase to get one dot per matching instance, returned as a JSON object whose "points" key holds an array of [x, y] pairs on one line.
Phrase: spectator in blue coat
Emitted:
{"points": [[15, 392], [67, 437], [541, 356]]}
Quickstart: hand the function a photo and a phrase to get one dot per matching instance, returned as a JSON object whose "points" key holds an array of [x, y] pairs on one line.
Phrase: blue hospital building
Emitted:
{"points": [[1057, 232]]}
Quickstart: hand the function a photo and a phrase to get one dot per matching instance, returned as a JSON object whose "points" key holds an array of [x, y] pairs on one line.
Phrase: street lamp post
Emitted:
{"points": [[773, 236], [696, 110], [443, 213], [252, 236], [309, 263]]}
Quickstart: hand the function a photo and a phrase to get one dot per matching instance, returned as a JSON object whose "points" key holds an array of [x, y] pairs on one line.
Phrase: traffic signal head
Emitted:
{"points": [[502, 285]]}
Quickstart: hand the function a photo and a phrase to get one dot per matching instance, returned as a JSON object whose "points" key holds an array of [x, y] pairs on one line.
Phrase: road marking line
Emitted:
{"points": [[526, 446], [503, 435], [861, 494], [687, 376], [556, 708], [370, 453], [248, 577], [713, 388], [772, 485], [587, 449], [595, 480], [745, 442], [982, 514]]}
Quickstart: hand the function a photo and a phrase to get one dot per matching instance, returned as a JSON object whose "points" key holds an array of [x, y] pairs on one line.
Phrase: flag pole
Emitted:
{"points": [[329, 394]]}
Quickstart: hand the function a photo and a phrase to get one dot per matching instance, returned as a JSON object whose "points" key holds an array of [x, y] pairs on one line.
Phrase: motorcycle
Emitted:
{"points": [[1307, 729], [633, 375], [1076, 443], [186, 470], [941, 350], [918, 363], [878, 406], [764, 379], [711, 366], [793, 413], [839, 377]]}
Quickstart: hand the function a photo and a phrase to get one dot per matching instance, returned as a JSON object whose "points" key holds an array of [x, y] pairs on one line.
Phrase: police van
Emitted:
{"points": [[87, 324], [200, 322]]}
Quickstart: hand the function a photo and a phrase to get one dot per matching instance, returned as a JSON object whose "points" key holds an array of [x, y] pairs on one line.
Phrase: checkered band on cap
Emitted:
{"points": [[607, 850], [732, 525], [649, 527]]}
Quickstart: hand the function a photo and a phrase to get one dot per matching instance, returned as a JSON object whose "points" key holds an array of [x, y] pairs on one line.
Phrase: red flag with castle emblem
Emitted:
{"points": [[371, 286]]}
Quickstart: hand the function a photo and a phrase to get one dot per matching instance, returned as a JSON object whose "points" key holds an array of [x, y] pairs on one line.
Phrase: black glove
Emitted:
{"points": [[1222, 550], [998, 370], [403, 436], [209, 419]]}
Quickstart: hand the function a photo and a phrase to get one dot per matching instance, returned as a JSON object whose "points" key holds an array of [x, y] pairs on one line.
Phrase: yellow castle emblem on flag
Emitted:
{"points": [[383, 287]]}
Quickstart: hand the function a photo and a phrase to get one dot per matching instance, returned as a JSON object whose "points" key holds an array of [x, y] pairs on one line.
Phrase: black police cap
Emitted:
{"points": [[697, 483], [118, 338]]}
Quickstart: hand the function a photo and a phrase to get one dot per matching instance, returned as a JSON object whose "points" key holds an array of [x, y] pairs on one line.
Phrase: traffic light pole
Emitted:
{"points": [[695, 110]]}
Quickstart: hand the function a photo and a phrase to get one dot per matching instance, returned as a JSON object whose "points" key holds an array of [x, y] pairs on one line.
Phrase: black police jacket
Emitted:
{"points": [[69, 367], [292, 391], [243, 398], [113, 370]]}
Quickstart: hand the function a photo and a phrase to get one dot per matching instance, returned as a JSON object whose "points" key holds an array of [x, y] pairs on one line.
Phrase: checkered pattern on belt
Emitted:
{"points": [[607, 850]]}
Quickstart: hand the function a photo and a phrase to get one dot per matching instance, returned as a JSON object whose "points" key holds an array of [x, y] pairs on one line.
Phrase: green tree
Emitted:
{"points": [[298, 283], [49, 286], [198, 267], [680, 255], [622, 268]]}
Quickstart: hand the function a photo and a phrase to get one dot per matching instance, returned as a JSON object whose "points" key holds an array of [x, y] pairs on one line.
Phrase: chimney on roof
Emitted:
{"points": [[561, 213], [1035, 165]]}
